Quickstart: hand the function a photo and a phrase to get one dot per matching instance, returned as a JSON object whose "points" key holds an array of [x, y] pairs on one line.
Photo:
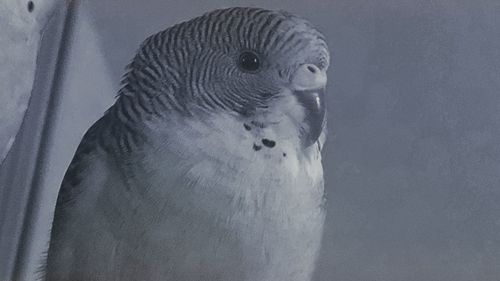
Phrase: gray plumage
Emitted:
{"points": [[205, 168]]}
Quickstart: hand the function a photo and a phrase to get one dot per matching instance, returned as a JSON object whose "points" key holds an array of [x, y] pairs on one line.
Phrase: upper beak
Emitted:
{"points": [[308, 85]]}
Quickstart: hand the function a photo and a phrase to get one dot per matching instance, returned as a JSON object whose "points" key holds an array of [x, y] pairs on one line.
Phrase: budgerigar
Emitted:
{"points": [[208, 165]]}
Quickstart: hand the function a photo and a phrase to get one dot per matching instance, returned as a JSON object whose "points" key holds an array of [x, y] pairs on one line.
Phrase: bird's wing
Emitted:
{"points": [[86, 175], [83, 167]]}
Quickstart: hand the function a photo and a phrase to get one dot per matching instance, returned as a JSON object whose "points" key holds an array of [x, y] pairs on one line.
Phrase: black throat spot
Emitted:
{"points": [[269, 143]]}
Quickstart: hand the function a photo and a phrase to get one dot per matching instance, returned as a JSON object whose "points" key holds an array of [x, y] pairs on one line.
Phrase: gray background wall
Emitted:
{"points": [[413, 158]]}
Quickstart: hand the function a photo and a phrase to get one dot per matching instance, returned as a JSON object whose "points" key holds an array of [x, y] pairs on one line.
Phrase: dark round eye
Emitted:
{"points": [[249, 61]]}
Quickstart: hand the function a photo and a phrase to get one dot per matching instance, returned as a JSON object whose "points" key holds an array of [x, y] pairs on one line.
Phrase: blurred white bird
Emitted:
{"points": [[21, 26]]}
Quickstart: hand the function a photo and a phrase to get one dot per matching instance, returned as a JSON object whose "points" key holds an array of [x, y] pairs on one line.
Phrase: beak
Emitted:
{"points": [[308, 85]]}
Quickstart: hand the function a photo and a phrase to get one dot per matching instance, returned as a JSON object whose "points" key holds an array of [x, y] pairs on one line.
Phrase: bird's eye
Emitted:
{"points": [[249, 61]]}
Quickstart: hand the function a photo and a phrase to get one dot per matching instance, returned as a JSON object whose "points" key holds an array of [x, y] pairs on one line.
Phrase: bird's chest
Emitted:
{"points": [[250, 166], [248, 171], [240, 180], [228, 204], [244, 218]]}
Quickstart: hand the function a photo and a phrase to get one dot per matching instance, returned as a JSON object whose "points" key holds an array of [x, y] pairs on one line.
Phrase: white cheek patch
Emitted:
{"points": [[272, 135]]}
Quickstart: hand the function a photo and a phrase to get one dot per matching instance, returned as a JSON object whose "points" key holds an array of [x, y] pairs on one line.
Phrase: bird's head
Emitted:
{"points": [[266, 66]]}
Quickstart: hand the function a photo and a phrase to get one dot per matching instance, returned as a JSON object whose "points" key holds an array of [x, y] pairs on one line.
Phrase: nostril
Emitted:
{"points": [[311, 68], [308, 76]]}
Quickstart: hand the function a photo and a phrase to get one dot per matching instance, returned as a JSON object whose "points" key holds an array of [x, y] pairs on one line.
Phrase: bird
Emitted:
{"points": [[208, 165], [20, 40]]}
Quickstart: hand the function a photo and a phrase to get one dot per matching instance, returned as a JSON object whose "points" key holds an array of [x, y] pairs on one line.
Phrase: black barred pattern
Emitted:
{"points": [[191, 66]]}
